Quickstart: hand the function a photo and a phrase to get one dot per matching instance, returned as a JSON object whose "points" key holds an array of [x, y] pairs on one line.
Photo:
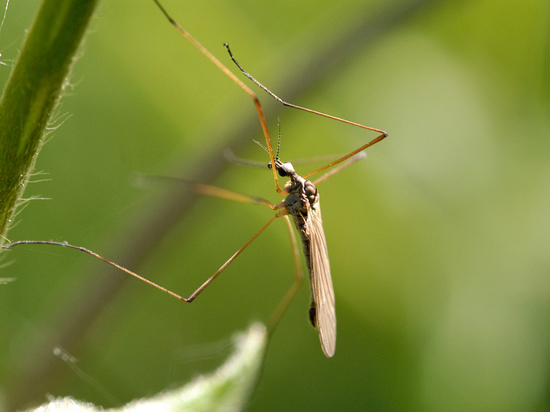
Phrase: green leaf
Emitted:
{"points": [[227, 389]]}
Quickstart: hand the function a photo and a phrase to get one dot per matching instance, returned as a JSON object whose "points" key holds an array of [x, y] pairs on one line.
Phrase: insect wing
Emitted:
{"points": [[321, 283]]}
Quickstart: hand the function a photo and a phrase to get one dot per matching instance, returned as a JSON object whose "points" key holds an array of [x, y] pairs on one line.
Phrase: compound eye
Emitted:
{"points": [[286, 169]]}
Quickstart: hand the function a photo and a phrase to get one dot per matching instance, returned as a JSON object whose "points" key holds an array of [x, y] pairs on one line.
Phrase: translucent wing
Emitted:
{"points": [[321, 282]]}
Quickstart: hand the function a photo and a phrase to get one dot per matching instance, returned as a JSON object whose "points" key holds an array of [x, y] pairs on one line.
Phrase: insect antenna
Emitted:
{"points": [[262, 146], [279, 139], [278, 144]]}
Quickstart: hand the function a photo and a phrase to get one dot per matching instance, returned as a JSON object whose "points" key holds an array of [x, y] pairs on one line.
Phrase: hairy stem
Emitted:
{"points": [[33, 89]]}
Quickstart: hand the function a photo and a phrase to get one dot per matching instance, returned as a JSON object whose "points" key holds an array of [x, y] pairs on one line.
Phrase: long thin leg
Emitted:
{"points": [[231, 259], [349, 162], [348, 155], [294, 105], [208, 190], [298, 279], [190, 299], [213, 191], [233, 158], [259, 109], [382, 135], [236, 80], [199, 188]]}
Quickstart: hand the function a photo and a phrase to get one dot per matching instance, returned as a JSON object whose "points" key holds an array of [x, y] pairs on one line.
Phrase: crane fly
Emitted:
{"points": [[301, 203]]}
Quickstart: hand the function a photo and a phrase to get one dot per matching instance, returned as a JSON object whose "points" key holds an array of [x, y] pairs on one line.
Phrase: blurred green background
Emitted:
{"points": [[439, 240]]}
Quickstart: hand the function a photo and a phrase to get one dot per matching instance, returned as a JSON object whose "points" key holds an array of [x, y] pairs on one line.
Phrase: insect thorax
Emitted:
{"points": [[302, 195]]}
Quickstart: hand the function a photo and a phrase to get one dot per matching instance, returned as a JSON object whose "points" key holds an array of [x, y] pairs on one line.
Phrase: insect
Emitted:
{"points": [[301, 203]]}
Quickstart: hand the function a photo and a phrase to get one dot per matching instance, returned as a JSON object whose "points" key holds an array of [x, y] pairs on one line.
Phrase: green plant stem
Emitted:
{"points": [[33, 89]]}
